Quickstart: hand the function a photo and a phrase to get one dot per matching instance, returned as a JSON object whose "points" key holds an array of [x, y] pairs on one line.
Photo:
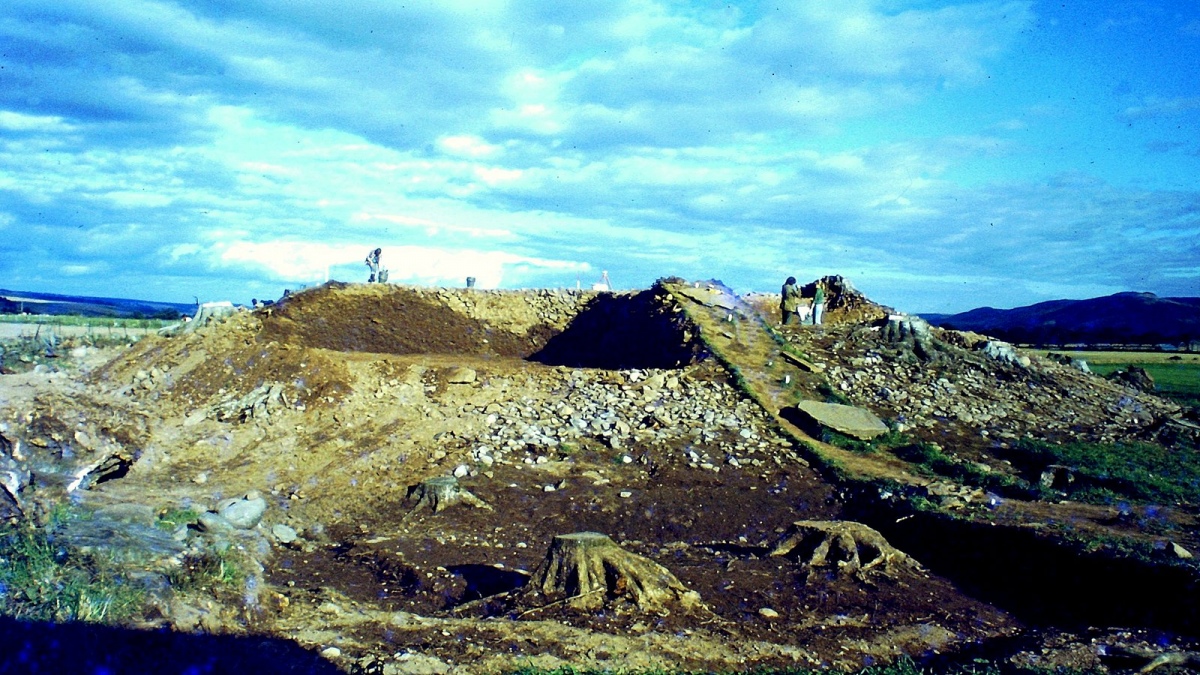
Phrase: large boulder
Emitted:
{"points": [[1134, 378], [1005, 353], [244, 512], [845, 419]]}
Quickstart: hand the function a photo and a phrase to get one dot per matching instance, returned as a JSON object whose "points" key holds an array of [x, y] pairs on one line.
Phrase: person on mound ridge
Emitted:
{"points": [[818, 305], [372, 262], [789, 301]]}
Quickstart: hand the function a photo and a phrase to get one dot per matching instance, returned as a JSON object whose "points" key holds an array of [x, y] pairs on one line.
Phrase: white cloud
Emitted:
{"points": [[12, 121], [467, 145], [310, 262], [262, 141], [1162, 107]]}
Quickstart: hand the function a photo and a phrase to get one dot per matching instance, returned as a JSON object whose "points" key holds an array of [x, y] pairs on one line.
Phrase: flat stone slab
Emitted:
{"points": [[844, 419], [709, 297], [803, 363], [460, 375]]}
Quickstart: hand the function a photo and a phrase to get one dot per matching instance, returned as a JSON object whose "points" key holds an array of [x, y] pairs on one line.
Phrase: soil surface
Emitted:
{"points": [[336, 402]]}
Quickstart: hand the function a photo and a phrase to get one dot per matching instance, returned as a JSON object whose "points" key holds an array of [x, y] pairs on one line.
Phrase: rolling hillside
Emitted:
{"points": [[21, 302], [1123, 318]]}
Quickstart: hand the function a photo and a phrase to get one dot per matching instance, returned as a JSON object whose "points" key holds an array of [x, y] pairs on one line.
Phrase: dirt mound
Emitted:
{"points": [[294, 343], [384, 319], [557, 412]]}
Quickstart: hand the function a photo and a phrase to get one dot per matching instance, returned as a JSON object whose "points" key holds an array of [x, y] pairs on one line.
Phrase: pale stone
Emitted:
{"points": [[854, 422]]}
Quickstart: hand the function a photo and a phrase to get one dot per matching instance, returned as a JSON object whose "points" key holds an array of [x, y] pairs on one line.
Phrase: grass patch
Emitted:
{"points": [[94, 322], [1180, 381], [209, 570], [929, 459], [1176, 375], [888, 441], [902, 666], [1107, 473], [41, 580], [831, 395], [171, 519]]}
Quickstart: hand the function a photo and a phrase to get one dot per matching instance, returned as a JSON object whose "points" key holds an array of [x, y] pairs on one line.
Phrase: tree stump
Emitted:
{"points": [[208, 313], [587, 569], [852, 547], [441, 492]]}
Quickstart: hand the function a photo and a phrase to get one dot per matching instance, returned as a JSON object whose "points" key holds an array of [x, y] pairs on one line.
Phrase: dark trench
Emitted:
{"points": [[1041, 582]]}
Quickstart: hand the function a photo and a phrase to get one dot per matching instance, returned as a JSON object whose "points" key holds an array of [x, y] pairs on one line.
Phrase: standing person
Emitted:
{"points": [[373, 263], [818, 306], [789, 300]]}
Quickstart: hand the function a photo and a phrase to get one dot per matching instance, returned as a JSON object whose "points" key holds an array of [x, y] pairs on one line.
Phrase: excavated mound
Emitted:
{"points": [[292, 344], [385, 319], [573, 328], [553, 411]]}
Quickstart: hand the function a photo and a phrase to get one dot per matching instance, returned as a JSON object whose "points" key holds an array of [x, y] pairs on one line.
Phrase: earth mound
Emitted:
{"points": [[416, 452]]}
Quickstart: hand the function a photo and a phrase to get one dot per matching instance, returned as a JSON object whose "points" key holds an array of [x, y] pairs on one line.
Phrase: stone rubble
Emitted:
{"points": [[648, 408], [981, 388], [257, 403]]}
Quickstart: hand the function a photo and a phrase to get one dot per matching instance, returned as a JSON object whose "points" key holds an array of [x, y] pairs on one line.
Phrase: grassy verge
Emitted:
{"points": [[902, 666], [1107, 473], [94, 322], [929, 459], [1176, 376], [43, 581]]}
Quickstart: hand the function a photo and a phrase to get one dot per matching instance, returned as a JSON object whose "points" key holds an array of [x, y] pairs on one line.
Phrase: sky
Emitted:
{"points": [[940, 155]]}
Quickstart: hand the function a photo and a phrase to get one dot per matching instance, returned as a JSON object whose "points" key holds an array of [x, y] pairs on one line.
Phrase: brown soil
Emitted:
{"points": [[369, 412]]}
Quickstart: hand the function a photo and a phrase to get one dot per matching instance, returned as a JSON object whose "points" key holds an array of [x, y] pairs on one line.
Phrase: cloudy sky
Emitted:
{"points": [[940, 155]]}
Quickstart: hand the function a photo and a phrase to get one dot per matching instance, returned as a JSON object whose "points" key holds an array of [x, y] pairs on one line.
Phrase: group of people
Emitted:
{"points": [[793, 304]]}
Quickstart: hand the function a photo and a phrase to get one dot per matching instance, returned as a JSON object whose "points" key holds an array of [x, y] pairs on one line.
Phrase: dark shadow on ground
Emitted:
{"points": [[802, 421], [35, 647], [485, 580], [1039, 579], [614, 332]]}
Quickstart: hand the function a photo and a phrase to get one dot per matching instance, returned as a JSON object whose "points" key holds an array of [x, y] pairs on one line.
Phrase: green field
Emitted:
{"points": [[1177, 375], [84, 321]]}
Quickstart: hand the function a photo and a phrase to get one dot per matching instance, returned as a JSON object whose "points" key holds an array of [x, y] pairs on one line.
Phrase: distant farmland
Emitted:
{"points": [[1177, 375]]}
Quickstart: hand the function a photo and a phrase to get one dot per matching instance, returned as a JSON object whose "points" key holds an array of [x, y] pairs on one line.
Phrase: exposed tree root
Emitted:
{"points": [[585, 570], [440, 492], [852, 547]]}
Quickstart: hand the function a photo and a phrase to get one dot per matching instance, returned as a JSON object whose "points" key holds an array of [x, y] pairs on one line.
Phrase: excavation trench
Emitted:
{"points": [[1041, 582], [561, 328]]}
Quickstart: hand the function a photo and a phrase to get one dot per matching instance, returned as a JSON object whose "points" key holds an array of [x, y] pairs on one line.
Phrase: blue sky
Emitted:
{"points": [[940, 155]]}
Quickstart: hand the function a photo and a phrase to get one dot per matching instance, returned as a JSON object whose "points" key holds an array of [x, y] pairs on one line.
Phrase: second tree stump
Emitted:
{"points": [[440, 492], [852, 547]]}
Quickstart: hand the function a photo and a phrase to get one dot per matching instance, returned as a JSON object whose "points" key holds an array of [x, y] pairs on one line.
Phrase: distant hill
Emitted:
{"points": [[1123, 318], [22, 302]]}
